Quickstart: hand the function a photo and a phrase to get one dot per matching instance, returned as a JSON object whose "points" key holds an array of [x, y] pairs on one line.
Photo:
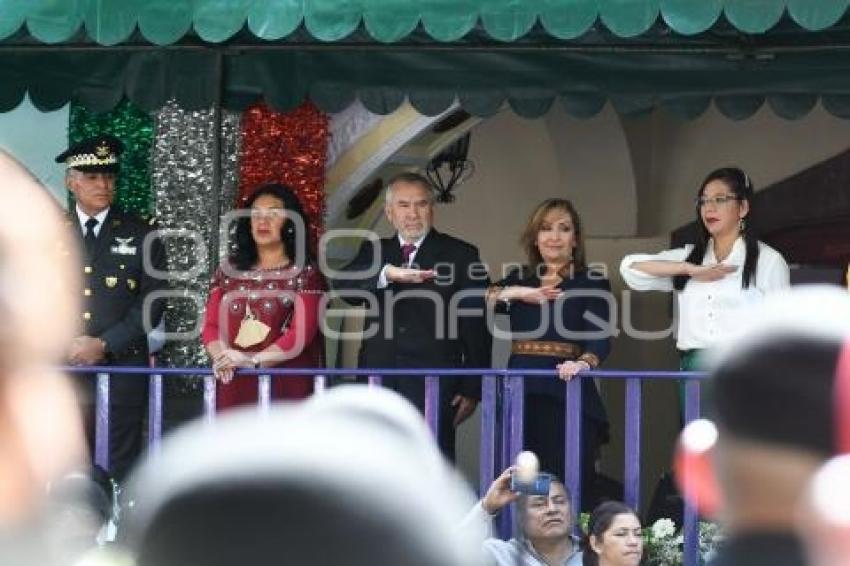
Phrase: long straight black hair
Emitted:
{"points": [[244, 255], [741, 186]]}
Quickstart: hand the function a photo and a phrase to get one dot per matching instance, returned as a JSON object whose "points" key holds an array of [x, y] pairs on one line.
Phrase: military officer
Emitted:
{"points": [[116, 280]]}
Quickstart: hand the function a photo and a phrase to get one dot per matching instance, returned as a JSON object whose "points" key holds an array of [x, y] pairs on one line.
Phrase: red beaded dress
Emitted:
{"points": [[286, 300]]}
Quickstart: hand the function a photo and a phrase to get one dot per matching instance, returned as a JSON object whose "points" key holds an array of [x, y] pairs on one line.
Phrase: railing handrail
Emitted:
{"points": [[497, 451], [419, 372]]}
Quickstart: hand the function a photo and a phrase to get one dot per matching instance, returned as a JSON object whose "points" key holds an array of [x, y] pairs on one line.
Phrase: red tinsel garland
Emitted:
{"points": [[289, 148]]}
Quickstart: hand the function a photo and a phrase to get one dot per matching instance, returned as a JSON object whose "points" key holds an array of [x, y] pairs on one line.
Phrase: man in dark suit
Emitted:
{"points": [[116, 281], [423, 284]]}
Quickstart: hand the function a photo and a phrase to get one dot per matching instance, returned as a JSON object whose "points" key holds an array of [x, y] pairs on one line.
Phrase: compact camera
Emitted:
{"points": [[538, 486]]}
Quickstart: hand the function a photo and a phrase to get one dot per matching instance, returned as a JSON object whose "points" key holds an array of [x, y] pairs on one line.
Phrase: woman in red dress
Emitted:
{"points": [[263, 308]]}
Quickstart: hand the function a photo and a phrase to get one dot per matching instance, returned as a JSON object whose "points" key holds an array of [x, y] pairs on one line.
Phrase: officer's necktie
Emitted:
{"points": [[90, 238], [407, 251]]}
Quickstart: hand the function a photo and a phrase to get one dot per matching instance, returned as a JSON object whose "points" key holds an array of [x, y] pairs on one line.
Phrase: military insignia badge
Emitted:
{"points": [[124, 247], [131, 284], [97, 154], [110, 281]]}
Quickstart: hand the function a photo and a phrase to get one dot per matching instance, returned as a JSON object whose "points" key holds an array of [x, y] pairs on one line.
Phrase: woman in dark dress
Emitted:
{"points": [[560, 318]]}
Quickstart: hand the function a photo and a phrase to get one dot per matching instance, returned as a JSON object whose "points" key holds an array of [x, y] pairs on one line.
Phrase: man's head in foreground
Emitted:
{"points": [[773, 389]]}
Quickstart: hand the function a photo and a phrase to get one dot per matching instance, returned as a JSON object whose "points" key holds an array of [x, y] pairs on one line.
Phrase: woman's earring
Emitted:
{"points": [[742, 225]]}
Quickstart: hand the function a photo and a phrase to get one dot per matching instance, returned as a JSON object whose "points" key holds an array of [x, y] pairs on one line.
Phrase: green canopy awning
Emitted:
{"points": [[481, 81], [680, 55], [164, 22]]}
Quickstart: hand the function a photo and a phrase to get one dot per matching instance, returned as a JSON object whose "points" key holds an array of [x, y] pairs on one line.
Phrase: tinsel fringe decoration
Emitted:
{"points": [[195, 177]]}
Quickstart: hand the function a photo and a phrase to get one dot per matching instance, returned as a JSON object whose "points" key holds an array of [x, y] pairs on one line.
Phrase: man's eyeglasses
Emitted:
{"points": [[716, 201]]}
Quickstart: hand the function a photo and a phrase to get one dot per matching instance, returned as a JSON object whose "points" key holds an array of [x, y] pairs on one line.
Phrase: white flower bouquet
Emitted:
{"points": [[664, 543]]}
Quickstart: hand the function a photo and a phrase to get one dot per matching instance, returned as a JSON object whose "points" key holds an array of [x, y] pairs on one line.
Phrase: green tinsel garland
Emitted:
{"points": [[135, 128]]}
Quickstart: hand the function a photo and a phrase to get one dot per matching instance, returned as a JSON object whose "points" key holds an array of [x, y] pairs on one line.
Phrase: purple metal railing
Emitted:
{"points": [[502, 418], [691, 520]]}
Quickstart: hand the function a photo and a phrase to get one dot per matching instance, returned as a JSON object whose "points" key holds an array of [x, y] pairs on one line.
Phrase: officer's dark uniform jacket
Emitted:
{"points": [[115, 284]]}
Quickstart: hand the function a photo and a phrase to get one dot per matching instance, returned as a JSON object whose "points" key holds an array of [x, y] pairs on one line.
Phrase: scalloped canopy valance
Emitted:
{"points": [[637, 55]]}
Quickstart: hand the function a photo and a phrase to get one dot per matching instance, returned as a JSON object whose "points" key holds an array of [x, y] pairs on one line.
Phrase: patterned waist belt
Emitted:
{"points": [[546, 348]]}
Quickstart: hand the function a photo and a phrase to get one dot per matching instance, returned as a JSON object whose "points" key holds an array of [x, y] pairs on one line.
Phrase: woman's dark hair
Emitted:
{"points": [[742, 187], [528, 240], [600, 521], [244, 254]]}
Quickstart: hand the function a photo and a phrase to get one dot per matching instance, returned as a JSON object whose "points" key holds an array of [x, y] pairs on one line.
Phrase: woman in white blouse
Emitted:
{"points": [[724, 270]]}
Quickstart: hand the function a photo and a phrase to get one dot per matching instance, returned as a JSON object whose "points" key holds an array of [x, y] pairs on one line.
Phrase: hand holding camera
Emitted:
{"points": [[523, 478], [527, 479]]}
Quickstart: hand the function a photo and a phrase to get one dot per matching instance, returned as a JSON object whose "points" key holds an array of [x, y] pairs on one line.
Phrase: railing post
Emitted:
{"points": [[691, 519], [504, 423], [572, 438], [375, 380], [154, 412], [503, 523], [319, 384], [264, 391], [515, 415], [209, 398], [631, 481], [101, 421], [432, 404], [487, 462], [516, 392], [692, 400]]}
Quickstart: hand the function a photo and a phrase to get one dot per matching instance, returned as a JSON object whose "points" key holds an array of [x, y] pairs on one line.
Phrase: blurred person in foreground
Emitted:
{"points": [[773, 401], [40, 432], [80, 511], [351, 477], [824, 520], [545, 525]]}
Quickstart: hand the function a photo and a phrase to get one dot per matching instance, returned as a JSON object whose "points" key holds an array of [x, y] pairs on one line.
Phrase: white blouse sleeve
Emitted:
{"points": [[772, 271], [640, 281]]}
